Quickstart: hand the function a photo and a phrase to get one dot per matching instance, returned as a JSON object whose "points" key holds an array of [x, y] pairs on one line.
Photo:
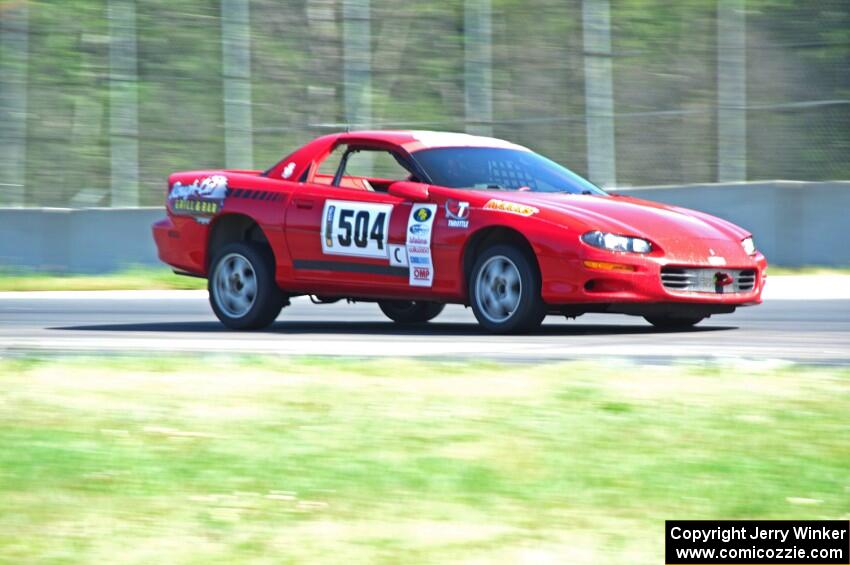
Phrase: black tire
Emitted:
{"points": [[673, 323], [528, 309], [410, 311], [264, 304]]}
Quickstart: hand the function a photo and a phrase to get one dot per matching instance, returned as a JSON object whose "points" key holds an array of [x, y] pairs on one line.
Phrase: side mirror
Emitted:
{"points": [[413, 191]]}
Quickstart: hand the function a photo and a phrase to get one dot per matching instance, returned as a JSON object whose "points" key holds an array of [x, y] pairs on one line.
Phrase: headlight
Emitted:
{"points": [[614, 242], [749, 246]]}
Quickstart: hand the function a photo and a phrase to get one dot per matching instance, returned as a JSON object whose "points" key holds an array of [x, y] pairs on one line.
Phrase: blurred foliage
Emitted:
{"points": [[664, 61]]}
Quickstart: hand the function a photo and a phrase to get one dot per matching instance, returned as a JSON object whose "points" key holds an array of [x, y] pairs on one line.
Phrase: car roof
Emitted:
{"points": [[417, 140]]}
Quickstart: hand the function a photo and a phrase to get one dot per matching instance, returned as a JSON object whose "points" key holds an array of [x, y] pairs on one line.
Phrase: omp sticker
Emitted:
{"points": [[419, 227], [203, 197], [398, 255], [512, 207], [287, 170], [358, 229]]}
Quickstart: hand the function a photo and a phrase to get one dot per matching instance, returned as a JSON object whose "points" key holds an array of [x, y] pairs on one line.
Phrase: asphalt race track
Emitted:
{"points": [[809, 331]]}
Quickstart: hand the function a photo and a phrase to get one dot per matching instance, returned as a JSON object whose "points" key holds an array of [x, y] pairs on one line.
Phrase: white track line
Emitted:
{"points": [[807, 287]]}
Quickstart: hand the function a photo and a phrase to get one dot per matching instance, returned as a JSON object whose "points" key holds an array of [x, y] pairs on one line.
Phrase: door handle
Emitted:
{"points": [[303, 203]]}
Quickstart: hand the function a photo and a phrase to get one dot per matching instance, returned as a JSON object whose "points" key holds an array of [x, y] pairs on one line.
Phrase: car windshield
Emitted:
{"points": [[485, 168]]}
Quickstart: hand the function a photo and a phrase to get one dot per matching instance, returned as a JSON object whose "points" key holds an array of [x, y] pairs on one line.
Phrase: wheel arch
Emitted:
{"points": [[231, 228], [489, 236]]}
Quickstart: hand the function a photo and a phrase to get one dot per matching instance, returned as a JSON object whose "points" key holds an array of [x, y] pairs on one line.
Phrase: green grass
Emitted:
{"points": [[136, 278], [233, 460]]}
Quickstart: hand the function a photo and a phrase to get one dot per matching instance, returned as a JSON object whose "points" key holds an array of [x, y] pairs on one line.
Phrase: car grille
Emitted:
{"points": [[706, 280]]}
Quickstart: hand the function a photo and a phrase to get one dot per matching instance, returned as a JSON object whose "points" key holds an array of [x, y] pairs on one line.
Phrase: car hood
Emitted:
{"points": [[683, 235], [629, 216]]}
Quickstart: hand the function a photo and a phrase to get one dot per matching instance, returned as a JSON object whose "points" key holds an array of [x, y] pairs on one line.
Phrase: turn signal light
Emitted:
{"points": [[605, 266]]}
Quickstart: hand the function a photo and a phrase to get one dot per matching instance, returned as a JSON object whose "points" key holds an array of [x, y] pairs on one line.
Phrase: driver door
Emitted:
{"points": [[344, 231]]}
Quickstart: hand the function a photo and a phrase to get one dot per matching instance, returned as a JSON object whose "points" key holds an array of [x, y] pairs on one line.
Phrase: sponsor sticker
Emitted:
{"points": [[287, 170], [511, 207], [199, 207], [202, 198], [715, 259], [329, 225], [457, 213], [423, 215], [419, 228], [398, 256], [422, 276]]}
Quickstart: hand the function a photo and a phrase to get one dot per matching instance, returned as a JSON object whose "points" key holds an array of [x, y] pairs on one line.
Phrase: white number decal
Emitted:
{"points": [[355, 228]]}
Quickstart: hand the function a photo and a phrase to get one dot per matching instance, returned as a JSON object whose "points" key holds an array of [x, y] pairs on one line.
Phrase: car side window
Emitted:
{"points": [[375, 165], [328, 167], [363, 169]]}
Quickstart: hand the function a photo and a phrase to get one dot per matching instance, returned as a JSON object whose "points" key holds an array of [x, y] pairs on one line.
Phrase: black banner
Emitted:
{"points": [[757, 542]]}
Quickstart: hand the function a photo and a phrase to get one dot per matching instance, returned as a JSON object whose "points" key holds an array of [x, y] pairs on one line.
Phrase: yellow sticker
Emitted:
{"points": [[196, 206], [512, 207]]}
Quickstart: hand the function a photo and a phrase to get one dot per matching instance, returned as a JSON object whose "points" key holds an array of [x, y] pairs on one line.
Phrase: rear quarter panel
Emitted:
{"points": [[259, 198]]}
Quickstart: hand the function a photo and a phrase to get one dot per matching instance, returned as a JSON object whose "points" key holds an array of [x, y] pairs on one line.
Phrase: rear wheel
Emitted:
{"points": [[671, 323], [410, 311], [243, 292], [504, 291]]}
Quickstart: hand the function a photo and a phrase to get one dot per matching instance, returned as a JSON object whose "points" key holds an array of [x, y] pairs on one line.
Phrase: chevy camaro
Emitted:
{"points": [[414, 220]]}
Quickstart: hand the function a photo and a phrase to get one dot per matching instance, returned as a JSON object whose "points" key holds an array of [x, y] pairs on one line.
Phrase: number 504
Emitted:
{"points": [[358, 228]]}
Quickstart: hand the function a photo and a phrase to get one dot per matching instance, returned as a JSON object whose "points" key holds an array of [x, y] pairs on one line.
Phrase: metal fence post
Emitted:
{"points": [[123, 104], [478, 72], [357, 62], [14, 59], [236, 72], [599, 92], [731, 91]]}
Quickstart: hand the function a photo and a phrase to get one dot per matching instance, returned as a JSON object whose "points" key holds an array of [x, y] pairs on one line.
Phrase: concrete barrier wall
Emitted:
{"points": [[87, 240], [794, 223]]}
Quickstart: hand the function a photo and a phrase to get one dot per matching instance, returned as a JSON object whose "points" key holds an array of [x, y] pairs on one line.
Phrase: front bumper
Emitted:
{"points": [[571, 281]]}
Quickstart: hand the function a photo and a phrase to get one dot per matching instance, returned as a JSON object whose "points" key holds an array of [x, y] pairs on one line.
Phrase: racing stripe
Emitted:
{"points": [[347, 267]]}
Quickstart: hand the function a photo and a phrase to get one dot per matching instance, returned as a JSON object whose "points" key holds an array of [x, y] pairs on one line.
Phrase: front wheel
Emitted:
{"points": [[243, 292], [504, 291], [672, 323], [410, 311]]}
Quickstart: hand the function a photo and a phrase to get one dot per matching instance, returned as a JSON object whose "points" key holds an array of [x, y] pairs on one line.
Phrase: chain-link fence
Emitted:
{"points": [[74, 73]]}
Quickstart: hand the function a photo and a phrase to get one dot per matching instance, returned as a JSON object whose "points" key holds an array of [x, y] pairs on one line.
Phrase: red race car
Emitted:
{"points": [[414, 220]]}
